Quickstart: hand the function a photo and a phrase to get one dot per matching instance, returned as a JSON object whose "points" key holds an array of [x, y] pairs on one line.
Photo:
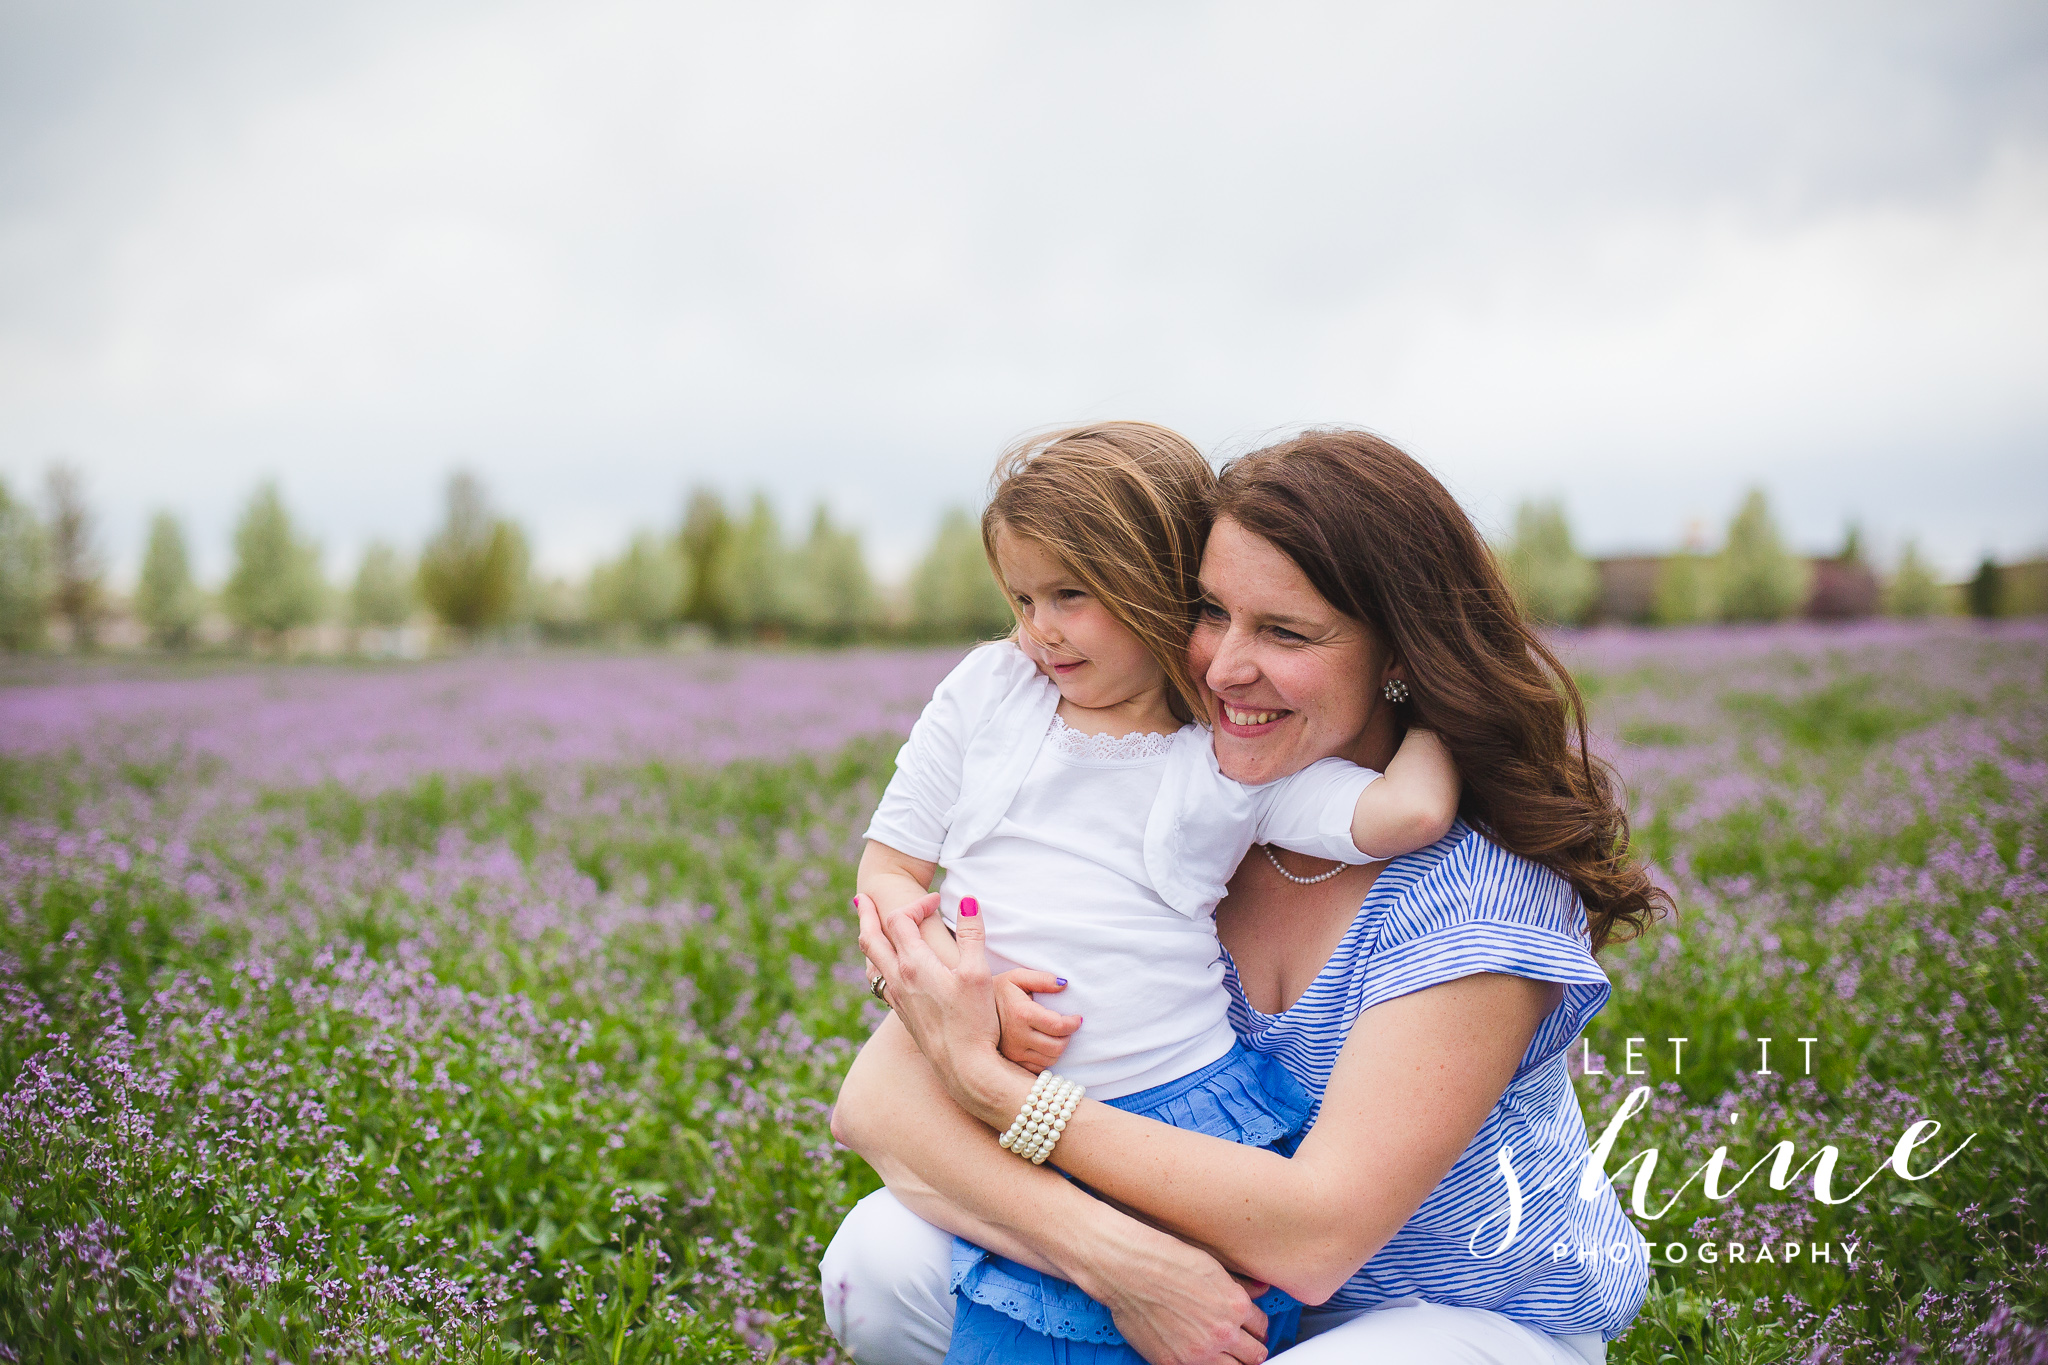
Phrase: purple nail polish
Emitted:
{"points": [[969, 906], [1061, 980]]}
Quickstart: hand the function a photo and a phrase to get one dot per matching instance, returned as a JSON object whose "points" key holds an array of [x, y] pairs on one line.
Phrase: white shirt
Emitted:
{"points": [[1099, 859]]}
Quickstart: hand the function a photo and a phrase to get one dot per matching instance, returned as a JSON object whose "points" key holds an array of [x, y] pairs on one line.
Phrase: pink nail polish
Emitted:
{"points": [[969, 906]]}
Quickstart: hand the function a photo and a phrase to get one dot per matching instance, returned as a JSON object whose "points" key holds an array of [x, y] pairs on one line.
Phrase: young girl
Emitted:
{"points": [[1063, 778]]}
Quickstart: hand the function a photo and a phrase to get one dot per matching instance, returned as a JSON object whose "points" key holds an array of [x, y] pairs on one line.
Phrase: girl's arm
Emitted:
{"points": [[893, 881], [1172, 1301], [1416, 1079], [1413, 805]]}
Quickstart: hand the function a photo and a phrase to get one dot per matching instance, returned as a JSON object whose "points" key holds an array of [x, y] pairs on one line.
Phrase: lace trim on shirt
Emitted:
{"points": [[1139, 744]]}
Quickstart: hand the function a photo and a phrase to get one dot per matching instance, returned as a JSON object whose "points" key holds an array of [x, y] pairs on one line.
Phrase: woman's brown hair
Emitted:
{"points": [[1124, 508], [1386, 544]]}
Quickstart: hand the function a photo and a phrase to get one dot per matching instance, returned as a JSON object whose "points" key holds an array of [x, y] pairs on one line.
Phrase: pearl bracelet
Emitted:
{"points": [[1062, 1111], [1038, 1086], [1043, 1118], [1013, 1139]]}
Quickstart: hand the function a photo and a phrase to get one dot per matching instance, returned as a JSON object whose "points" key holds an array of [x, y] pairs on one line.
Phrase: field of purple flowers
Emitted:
{"points": [[491, 1010]]}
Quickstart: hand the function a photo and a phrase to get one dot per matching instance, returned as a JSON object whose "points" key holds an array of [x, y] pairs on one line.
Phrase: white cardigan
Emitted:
{"points": [[993, 711], [1103, 868]]}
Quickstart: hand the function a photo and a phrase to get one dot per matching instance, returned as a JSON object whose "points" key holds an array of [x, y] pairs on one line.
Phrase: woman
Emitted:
{"points": [[1435, 1208]]}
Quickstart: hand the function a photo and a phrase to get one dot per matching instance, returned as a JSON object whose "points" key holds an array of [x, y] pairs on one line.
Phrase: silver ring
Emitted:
{"points": [[877, 985]]}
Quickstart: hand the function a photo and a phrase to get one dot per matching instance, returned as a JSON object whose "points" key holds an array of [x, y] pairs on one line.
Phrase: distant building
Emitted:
{"points": [[1628, 589], [1842, 590]]}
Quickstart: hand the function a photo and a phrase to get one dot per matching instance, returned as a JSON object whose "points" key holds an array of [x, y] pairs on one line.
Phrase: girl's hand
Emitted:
{"points": [[1032, 1036]]}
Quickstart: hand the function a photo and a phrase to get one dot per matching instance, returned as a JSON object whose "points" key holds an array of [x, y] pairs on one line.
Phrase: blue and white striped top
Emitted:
{"points": [[1461, 906]]}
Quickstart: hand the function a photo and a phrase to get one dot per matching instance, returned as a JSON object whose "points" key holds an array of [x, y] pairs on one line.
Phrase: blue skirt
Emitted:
{"points": [[1009, 1314]]}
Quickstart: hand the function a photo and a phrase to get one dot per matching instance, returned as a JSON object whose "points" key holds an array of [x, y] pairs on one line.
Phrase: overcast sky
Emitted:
{"points": [[1634, 256]]}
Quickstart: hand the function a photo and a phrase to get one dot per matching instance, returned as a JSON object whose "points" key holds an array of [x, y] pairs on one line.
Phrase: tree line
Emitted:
{"points": [[734, 574], [724, 573], [1753, 576]]}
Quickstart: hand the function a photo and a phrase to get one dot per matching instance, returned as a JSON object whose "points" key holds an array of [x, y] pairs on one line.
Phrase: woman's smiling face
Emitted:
{"points": [[1294, 679]]}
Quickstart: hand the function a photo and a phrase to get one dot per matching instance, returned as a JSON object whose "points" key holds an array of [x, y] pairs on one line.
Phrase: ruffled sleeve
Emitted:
{"points": [[1311, 811], [1203, 823], [1483, 909]]}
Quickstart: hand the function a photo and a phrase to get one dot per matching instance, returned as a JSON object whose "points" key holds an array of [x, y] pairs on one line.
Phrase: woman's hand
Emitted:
{"points": [[949, 1010], [1031, 1035], [1176, 1306]]}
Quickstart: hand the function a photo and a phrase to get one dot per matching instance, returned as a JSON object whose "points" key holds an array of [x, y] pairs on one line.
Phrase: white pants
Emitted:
{"points": [[886, 1273]]}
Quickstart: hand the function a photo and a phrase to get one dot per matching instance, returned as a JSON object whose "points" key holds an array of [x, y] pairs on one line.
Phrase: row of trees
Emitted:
{"points": [[738, 577], [727, 576], [734, 575], [1754, 576]]}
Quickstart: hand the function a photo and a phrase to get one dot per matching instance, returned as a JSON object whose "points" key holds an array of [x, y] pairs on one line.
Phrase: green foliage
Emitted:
{"points": [[708, 544], [1843, 714], [1655, 735], [763, 596], [1985, 592], [953, 596], [1553, 581], [24, 575], [1914, 590], [382, 593], [275, 585], [561, 608], [1759, 579], [446, 1128], [641, 591], [167, 601], [473, 571], [835, 599], [76, 568], [1686, 590]]}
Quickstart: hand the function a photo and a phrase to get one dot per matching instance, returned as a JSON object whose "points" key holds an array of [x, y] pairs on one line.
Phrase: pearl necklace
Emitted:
{"points": [[1272, 858]]}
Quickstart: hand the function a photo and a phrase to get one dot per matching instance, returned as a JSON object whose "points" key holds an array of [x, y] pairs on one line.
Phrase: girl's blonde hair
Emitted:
{"points": [[1124, 508]]}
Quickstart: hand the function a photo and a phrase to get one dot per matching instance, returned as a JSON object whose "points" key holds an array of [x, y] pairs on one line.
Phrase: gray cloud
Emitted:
{"points": [[1637, 257]]}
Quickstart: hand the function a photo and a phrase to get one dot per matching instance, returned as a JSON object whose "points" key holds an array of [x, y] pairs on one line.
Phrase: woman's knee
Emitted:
{"points": [[885, 1281]]}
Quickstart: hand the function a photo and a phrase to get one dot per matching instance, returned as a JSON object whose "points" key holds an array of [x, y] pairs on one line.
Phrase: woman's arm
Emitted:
{"points": [[1415, 1081], [1173, 1303]]}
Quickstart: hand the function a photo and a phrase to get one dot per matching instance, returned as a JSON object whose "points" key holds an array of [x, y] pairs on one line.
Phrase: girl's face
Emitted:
{"points": [[1093, 660], [1294, 679]]}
